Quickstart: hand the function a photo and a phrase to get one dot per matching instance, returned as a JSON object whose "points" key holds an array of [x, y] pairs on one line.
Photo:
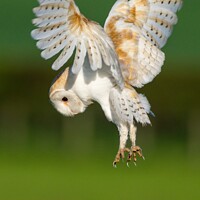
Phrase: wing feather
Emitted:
{"points": [[48, 31], [139, 29], [51, 9], [65, 55], [57, 47], [79, 57], [43, 2], [62, 28], [51, 40], [48, 20]]}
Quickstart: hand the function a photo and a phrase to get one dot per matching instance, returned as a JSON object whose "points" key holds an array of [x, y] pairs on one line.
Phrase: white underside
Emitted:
{"points": [[92, 86]]}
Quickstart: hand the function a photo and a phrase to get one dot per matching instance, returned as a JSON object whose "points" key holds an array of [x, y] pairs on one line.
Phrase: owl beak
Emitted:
{"points": [[59, 82]]}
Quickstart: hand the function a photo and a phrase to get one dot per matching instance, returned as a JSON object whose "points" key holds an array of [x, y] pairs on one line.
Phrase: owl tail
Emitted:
{"points": [[128, 105]]}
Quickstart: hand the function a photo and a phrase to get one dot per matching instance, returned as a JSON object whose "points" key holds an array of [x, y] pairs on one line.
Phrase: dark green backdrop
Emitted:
{"points": [[46, 156]]}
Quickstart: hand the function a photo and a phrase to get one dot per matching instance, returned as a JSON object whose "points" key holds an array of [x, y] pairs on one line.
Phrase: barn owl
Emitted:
{"points": [[109, 63]]}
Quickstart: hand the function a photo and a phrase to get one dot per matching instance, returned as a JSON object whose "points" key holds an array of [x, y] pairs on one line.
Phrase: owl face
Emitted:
{"points": [[67, 102]]}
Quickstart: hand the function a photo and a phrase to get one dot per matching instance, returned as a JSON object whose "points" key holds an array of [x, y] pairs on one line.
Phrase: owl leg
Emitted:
{"points": [[134, 149], [123, 132]]}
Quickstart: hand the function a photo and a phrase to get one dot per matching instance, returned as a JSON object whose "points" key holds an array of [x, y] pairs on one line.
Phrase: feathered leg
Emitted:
{"points": [[132, 134], [128, 106], [134, 149], [123, 133]]}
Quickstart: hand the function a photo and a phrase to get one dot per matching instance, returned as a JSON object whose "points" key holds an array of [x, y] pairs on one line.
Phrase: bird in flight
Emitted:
{"points": [[109, 63]]}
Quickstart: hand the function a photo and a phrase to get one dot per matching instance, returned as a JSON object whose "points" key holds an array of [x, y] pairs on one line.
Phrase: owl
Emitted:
{"points": [[109, 63]]}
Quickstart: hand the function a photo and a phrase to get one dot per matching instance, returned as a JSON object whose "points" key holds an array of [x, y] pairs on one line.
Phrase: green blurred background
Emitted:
{"points": [[45, 156]]}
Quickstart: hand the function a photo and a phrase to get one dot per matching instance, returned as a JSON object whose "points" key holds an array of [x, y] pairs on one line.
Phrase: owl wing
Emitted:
{"points": [[62, 28], [139, 29]]}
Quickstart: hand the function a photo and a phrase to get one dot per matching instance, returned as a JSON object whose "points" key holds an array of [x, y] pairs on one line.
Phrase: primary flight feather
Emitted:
{"points": [[108, 62]]}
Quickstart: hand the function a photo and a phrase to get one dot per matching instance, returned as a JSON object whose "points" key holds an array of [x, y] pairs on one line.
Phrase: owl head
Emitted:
{"points": [[63, 99]]}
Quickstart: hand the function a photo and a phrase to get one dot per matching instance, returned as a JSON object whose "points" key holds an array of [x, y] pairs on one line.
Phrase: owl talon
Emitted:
{"points": [[127, 164], [136, 150], [115, 164], [120, 156]]}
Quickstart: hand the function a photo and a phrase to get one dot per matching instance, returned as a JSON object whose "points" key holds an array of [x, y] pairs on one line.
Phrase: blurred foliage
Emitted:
{"points": [[46, 156]]}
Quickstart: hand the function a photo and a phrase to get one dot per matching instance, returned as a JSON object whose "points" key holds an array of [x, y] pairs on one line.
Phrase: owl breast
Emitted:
{"points": [[92, 86]]}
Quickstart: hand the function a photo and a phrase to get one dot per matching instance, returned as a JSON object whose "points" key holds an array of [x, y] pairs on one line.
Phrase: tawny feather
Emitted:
{"points": [[139, 28]]}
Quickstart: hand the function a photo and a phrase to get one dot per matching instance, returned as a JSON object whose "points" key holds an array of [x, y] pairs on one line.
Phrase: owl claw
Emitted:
{"points": [[114, 164], [127, 164], [120, 156], [136, 150]]}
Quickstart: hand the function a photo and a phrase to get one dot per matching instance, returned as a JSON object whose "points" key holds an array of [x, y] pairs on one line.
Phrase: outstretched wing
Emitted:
{"points": [[62, 28], [139, 29]]}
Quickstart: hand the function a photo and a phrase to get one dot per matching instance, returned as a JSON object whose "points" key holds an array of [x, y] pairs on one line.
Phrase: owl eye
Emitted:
{"points": [[65, 99]]}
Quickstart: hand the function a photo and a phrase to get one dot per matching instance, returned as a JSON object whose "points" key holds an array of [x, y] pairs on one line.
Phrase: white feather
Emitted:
{"points": [[52, 40], [79, 57], [128, 105], [53, 9], [49, 20], [48, 31], [43, 2], [60, 27], [150, 60], [56, 48], [172, 5], [163, 14], [65, 55], [93, 54]]}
